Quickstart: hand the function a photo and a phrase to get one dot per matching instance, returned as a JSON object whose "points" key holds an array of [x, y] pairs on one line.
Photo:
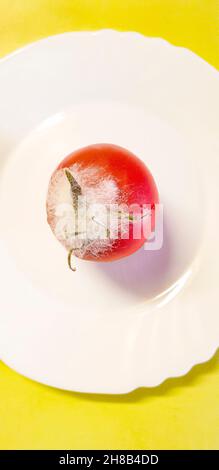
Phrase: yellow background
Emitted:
{"points": [[182, 413]]}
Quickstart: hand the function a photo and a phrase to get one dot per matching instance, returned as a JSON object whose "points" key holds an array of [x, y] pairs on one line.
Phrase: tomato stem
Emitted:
{"points": [[130, 216], [102, 225], [75, 188], [73, 268]]}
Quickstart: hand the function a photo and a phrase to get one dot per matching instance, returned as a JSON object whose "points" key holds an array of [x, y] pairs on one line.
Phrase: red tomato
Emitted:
{"points": [[107, 174]]}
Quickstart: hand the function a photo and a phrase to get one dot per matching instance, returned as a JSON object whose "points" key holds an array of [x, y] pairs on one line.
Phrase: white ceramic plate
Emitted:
{"points": [[112, 327]]}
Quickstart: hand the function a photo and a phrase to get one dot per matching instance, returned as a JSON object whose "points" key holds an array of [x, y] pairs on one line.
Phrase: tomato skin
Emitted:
{"points": [[134, 181]]}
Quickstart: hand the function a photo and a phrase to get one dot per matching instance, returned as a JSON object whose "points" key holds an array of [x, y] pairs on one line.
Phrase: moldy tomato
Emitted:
{"points": [[96, 203]]}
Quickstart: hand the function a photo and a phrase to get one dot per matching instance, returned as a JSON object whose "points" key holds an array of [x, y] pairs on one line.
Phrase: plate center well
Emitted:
{"points": [[36, 252]]}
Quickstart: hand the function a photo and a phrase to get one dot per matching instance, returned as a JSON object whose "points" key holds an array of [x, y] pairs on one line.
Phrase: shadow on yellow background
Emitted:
{"points": [[167, 387]]}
